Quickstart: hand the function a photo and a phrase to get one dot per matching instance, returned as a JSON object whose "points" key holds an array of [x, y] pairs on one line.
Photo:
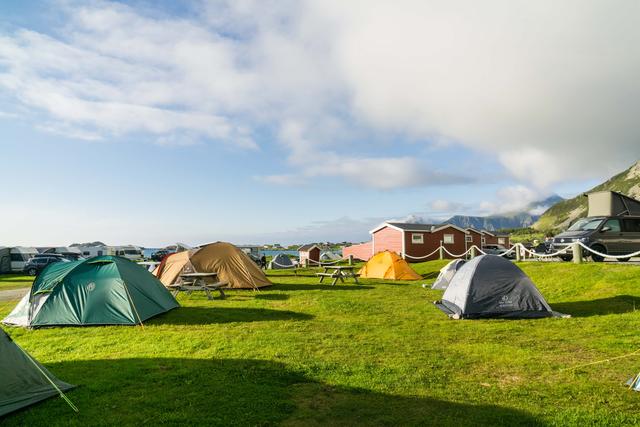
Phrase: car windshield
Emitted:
{"points": [[131, 252], [586, 224]]}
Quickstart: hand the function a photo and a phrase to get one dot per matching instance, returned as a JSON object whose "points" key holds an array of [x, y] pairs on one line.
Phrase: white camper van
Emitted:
{"points": [[133, 253], [91, 251], [19, 257]]}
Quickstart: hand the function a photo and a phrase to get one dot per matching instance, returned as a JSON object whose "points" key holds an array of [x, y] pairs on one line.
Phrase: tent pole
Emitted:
{"points": [[126, 288], [55, 386]]}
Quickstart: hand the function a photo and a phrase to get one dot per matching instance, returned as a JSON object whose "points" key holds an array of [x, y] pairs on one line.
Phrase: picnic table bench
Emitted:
{"points": [[198, 282], [338, 272]]}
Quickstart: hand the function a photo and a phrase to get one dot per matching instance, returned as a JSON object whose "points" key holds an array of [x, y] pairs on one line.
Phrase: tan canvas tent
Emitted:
{"points": [[230, 263]]}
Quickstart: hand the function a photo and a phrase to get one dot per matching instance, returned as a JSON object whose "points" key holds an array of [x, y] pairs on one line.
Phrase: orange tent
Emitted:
{"points": [[388, 265]]}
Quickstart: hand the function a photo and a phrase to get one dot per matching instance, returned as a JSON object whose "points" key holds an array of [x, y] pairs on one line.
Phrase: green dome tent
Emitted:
{"points": [[23, 380], [105, 290]]}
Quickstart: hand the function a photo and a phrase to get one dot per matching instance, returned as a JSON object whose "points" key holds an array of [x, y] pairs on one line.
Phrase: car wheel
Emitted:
{"points": [[566, 258], [32, 272], [623, 259], [599, 248]]}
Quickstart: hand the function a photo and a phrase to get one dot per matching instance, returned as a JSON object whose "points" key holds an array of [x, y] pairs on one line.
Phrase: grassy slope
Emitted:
{"points": [[377, 354], [559, 212]]}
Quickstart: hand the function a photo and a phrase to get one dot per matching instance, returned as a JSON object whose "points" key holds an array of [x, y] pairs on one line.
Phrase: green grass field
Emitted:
{"points": [[380, 353], [14, 281]]}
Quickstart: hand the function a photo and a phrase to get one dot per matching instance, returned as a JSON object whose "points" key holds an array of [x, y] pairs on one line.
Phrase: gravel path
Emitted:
{"points": [[13, 294]]}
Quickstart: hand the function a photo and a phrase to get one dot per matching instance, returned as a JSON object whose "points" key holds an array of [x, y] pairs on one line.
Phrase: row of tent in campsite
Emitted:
{"points": [[487, 286], [104, 290], [283, 261], [110, 290]]}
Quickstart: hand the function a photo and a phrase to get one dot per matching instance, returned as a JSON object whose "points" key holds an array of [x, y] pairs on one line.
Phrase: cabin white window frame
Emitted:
{"points": [[468, 238], [502, 241], [417, 238], [448, 239], [483, 240]]}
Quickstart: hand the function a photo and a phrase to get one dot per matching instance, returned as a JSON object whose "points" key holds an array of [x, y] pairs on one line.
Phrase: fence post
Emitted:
{"points": [[306, 263], [577, 253], [472, 254], [517, 251], [350, 259], [441, 251]]}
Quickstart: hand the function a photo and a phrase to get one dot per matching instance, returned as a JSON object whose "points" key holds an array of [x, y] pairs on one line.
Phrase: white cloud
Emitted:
{"points": [[283, 179], [511, 199], [551, 97], [445, 206]]}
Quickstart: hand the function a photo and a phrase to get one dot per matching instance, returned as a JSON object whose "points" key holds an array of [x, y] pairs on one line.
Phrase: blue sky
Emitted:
{"points": [[150, 123]]}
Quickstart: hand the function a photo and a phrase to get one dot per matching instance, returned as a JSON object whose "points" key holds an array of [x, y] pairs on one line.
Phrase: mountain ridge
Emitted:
{"points": [[519, 219], [563, 213]]}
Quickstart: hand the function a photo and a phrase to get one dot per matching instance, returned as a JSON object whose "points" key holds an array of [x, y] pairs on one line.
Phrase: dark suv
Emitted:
{"points": [[607, 235], [160, 254], [35, 265]]}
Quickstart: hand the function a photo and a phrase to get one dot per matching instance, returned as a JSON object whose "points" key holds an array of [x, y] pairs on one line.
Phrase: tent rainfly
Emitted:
{"points": [[388, 265], [104, 290], [446, 274], [24, 380], [230, 264], [491, 286], [280, 262]]}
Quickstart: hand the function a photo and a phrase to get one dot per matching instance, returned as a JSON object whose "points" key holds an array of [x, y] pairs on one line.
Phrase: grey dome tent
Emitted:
{"points": [[280, 262], [446, 274], [491, 286], [23, 380]]}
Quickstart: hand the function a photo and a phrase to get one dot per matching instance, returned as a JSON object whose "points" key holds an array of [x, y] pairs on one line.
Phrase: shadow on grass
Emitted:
{"points": [[321, 287], [272, 297], [432, 275], [214, 315], [178, 391], [598, 307]]}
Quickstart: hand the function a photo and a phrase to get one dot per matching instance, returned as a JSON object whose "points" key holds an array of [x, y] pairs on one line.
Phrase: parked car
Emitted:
{"points": [[36, 264], [616, 235], [542, 248], [59, 256], [160, 254], [492, 249]]}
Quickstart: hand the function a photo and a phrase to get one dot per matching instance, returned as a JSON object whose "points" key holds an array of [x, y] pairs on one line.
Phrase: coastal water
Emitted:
{"points": [[270, 252]]}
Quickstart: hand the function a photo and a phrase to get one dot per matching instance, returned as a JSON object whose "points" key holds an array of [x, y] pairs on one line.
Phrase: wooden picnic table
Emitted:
{"points": [[205, 282], [339, 272]]}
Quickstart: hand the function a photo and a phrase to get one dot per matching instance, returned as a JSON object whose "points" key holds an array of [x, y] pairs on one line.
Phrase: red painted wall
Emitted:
{"points": [[432, 242], [477, 239], [361, 251], [387, 239]]}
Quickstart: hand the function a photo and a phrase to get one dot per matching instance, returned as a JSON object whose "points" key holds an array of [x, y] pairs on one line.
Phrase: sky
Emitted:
{"points": [[300, 121]]}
